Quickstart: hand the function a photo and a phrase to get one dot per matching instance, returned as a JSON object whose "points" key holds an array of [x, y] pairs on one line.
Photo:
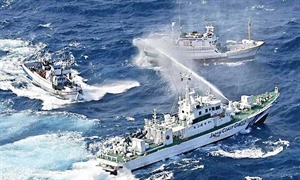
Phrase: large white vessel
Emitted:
{"points": [[205, 46], [200, 120], [54, 76]]}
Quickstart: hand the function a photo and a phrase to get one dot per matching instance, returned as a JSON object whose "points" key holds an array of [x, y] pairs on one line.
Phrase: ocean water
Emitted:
{"points": [[43, 137]]}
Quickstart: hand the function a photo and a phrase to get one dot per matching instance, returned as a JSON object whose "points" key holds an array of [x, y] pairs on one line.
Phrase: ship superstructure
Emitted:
{"points": [[204, 46], [199, 120], [54, 76]]}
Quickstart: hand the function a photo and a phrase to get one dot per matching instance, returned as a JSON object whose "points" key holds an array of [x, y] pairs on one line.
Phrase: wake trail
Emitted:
{"points": [[13, 78]]}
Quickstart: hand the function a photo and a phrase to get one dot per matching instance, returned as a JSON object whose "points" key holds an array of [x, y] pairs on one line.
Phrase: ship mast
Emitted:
{"points": [[249, 30], [187, 78], [173, 24], [179, 19], [154, 116]]}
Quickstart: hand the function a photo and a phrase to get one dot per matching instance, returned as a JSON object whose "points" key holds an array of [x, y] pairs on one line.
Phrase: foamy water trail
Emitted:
{"points": [[164, 49], [235, 64], [96, 92], [90, 93], [52, 156], [14, 79], [253, 152], [59, 153]]}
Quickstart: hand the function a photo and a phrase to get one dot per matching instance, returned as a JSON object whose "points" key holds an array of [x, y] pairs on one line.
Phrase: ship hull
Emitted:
{"points": [[189, 145], [205, 55], [47, 85], [243, 52]]}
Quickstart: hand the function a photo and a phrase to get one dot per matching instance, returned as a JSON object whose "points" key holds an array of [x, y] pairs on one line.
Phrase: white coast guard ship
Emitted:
{"points": [[200, 120], [54, 76], [206, 46]]}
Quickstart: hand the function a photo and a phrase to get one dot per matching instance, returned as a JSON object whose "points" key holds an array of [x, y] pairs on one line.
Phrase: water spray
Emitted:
{"points": [[214, 88]]}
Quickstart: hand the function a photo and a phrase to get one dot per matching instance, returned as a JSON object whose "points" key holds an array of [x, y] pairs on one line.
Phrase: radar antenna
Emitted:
{"points": [[187, 78]]}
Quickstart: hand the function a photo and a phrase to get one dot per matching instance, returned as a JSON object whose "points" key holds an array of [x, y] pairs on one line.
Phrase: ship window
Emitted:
{"points": [[200, 112], [218, 107], [194, 127], [182, 111], [209, 109], [201, 124], [213, 108], [205, 123], [206, 110]]}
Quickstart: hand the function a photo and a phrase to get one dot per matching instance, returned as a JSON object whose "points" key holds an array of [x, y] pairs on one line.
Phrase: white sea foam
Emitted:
{"points": [[130, 118], [267, 9], [279, 142], [13, 78], [13, 124], [52, 156], [160, 168], [257, 7], [246, 131], [253, 152], [96, 92], [74, 44], [61, 154], [45, 25], [235, 64], [47, 152], [253, 178], [197, 167], [247, 153], [8, 44], [7, 3], [162, 176]]}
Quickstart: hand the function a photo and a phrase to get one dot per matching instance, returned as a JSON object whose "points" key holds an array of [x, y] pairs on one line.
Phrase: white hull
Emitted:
{"points": [[206, 55], [199, 121], [47, 85], [247, 52], [198, 54], [192, 144]]}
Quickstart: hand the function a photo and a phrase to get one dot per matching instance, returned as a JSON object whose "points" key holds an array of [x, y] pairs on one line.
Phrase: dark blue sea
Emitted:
{"points": [[43, 137]]}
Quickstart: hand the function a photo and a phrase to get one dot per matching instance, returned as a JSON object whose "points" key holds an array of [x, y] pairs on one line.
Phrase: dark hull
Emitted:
{"points": [[262, 120]]}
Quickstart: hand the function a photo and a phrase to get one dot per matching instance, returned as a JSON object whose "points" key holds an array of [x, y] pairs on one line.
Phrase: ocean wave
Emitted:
{"points": [[100, 35], [13, 127], [45, 25], [273, 149], [253, 178], [291, 45], [51, 156], [7, 3], [13, 78]]}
